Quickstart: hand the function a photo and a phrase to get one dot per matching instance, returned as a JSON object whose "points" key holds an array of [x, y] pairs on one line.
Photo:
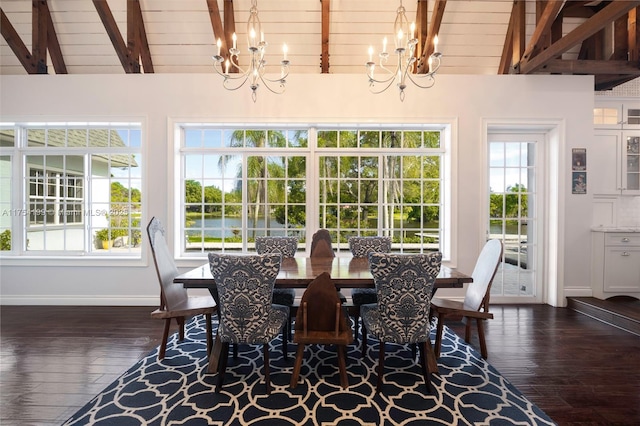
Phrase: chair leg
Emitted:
{"points": [[209, 327], [380, 366], [356, 321], [180, 321], [483, 343], [222, 365], [267, 378], [342, 365], [439, 331], [297, 365], [285, 342], [364, 340], [424, 350], [467, 330], [165, 337]]}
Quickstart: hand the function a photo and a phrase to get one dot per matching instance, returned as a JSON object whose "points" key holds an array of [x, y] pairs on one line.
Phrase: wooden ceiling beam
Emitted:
{"points": [[543, 27], [39, 35], [229, 27], [608, 14], [218, 29], [608, 82], [422, 28], [594, 66], [137, 36], [324, 55], [128, 63], [434, 27], [633, 34], [53, 45], [17, 45]]}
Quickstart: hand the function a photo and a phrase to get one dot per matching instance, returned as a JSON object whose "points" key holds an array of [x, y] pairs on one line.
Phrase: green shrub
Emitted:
{"points": [[5, 240]]}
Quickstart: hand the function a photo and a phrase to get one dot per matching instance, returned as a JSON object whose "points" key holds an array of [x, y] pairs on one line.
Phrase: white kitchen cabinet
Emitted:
{"points": [[617, 113], [613, 163], [615, 264]]}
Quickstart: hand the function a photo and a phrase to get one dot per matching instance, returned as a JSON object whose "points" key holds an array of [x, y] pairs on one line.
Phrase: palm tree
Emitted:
{"points": [[257, 169]]}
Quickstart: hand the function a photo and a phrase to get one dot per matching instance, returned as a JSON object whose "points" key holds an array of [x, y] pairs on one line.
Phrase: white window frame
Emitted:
{"points": [[21, 198], [446, 152]]}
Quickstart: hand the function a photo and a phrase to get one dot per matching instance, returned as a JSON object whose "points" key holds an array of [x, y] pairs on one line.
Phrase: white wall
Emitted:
{"points": [[565, 102]]}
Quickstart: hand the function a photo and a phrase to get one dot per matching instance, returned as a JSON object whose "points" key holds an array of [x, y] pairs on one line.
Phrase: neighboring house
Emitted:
{"points": [[67, 185]]}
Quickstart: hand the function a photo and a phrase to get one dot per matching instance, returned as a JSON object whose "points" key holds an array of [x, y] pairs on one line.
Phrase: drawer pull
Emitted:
{"points": [[625, 240], [626, 253]]}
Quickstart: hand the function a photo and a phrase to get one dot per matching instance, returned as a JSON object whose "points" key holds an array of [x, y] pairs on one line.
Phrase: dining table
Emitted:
{"points": [[298, 272]]}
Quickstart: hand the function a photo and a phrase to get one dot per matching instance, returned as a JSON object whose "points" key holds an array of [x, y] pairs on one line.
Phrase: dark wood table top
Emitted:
{"points": [[346, 272]]}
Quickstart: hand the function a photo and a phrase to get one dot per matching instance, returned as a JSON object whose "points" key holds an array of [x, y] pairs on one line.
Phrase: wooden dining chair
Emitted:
{"points": [[476, 300], [175, 303], [247, 316], [321, 320], [321, 245], [403, 284], [360, 248]]}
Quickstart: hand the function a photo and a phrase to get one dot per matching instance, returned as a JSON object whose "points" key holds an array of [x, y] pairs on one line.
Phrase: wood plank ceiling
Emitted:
{"points": [[600, 38]]}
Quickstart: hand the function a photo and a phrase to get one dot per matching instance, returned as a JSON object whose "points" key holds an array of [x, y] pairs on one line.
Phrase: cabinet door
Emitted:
{"points": [[603, 163], [631, 162], [622, 269]]}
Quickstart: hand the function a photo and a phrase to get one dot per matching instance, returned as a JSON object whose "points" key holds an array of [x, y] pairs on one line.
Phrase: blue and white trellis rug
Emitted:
{"points": [[179, 391]]}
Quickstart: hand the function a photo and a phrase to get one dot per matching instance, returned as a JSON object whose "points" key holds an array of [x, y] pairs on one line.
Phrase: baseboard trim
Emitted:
{"points": [[80, 300]]}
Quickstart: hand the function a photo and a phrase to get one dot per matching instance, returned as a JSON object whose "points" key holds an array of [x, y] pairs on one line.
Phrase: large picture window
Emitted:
{"points": [[239, 183], [71, 189]]}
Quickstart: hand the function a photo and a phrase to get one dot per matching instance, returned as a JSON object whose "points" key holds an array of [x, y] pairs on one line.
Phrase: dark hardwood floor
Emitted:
{"points": [[54, 359]]}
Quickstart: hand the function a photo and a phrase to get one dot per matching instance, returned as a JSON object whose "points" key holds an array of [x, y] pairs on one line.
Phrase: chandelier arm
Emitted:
{"points": [[429, 77], [388, 83]]}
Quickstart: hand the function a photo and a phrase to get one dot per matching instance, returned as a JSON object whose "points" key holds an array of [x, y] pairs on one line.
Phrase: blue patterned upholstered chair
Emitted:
{"points": [[175, 303], [287, 246], [361, 247], [247, 316], [476, 299], [401, 315]]}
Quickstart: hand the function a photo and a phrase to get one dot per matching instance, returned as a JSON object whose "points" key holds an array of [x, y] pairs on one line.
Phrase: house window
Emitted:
{"points": [[239, 183], [79, 191], [54, 197]]}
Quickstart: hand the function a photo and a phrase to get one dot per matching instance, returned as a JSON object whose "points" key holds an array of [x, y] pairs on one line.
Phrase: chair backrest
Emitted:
{"points": [[287, 246], [362, 246], [404, 284], [321, 244], [171, 294], [478, 292], [321, 298], [245, 287]]}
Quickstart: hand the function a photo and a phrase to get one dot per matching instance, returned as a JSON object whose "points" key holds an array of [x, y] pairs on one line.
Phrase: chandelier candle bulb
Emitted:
{"points": [[285, 49], [413, 29], [384, 45], [430, 64], [234, 38], [219, 44], [435, 44]]}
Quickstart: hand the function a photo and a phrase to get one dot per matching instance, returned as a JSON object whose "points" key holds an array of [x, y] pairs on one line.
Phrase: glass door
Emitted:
{"points": [[513, 214]]}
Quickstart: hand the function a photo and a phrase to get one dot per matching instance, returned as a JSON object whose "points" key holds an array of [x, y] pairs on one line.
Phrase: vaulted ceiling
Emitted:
{"points": [[600, 38]]}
